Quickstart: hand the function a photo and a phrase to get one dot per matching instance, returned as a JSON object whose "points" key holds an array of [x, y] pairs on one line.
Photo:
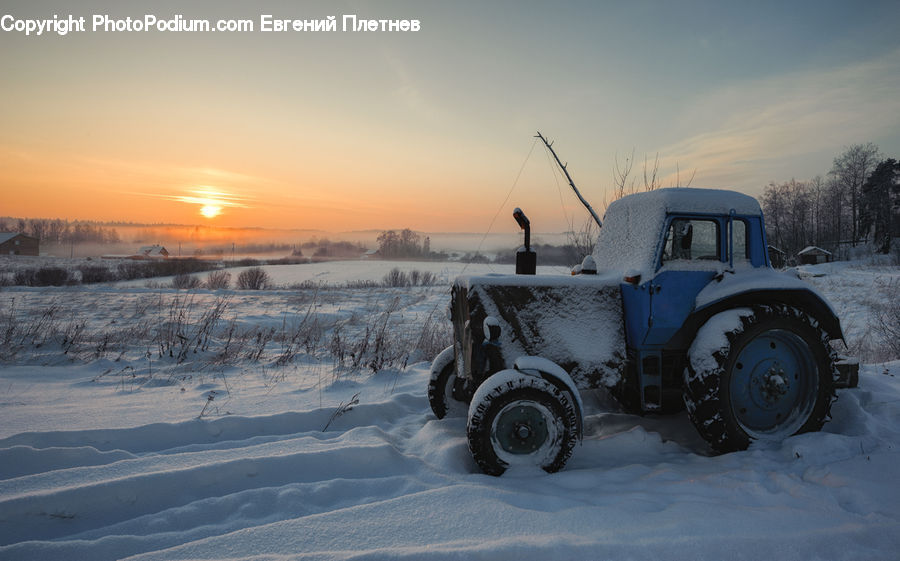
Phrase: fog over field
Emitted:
{"points": [[215, 242]]}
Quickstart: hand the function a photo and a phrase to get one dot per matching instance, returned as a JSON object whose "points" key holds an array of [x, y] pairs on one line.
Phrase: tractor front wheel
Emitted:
{"points": [[440, 386], [516, 419]]}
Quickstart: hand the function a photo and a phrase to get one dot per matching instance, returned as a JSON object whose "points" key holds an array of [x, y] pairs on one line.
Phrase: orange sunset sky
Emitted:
{"points": [[429, 130]]}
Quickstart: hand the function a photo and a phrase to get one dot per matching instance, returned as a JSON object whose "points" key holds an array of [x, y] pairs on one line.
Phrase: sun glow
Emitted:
{"points": [[212, 201], [210, 211]]}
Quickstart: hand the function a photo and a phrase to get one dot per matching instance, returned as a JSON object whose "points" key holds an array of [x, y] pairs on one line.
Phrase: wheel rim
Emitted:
{"points": [[773, 386], [448, 389], [452, 407], [525, 433]]}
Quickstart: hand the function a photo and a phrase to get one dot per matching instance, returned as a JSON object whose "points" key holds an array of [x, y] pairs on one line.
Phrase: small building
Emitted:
{"points": [[13, 243], [151, 252], [777, 258], [812, 255]]}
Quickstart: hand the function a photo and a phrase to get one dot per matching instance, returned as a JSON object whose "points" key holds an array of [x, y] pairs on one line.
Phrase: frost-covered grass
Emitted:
{"points": [[137, 454], [865, 297], [165, 333]]}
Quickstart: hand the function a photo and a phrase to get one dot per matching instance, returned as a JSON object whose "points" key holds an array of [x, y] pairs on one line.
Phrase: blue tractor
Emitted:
{"points": [[678, 307]]}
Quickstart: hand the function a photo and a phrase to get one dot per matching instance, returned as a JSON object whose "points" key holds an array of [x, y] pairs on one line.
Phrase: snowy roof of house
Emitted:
{"points": [[152, 250], [813, 249], [6, 236]]}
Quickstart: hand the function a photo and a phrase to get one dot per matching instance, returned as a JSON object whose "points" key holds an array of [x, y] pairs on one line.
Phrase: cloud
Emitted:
{"points": [[409, 92], [754, 130], [211, 196]]}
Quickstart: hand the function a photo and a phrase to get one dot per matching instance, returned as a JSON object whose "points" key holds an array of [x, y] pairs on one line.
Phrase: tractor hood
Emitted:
{"points": [[575, 321]]}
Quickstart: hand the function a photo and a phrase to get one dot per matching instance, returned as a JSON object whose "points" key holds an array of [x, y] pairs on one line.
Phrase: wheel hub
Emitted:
{"points": [[521, 429], [523, 432], [773, 384]]}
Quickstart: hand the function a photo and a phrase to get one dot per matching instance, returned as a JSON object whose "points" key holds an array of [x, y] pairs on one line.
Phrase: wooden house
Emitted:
{"points": [[12, 243], [151, 252], [812, 255]]}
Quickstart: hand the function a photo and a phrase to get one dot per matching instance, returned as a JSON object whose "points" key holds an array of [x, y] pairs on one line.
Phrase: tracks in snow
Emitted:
{"points": [[117, 492]]}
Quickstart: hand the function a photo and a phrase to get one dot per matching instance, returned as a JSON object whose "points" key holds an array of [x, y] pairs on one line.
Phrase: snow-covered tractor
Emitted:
{"points": [[677, 307]]}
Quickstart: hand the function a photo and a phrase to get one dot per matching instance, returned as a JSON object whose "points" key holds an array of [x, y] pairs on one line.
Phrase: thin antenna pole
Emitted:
{"points": [[571, 183]]}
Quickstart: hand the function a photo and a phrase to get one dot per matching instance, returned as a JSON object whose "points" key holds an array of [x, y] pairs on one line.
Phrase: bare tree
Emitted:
{"points": [[678, 177], [583, 240], [388, 243], [651, 180], [622, 184], [851, 169], [789, 215], [817, 189]]}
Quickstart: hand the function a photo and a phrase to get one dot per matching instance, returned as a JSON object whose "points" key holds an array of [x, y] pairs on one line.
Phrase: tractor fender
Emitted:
{"points": [[556, 375], [803, 298]]}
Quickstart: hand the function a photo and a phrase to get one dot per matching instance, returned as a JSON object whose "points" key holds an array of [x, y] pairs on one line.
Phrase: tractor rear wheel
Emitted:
{"points": [[768, 376]]}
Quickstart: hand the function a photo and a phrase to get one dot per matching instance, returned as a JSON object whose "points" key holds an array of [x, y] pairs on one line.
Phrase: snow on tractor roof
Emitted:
{"points": [[686, 199], [632, 225]]}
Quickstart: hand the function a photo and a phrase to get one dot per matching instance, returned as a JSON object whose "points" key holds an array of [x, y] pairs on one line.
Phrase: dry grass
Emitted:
{"points": [[166, 336]]}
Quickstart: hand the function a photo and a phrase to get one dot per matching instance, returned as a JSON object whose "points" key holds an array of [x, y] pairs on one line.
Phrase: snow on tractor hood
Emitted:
{"points": [[632, 227], [500, 279], [574, 321]]}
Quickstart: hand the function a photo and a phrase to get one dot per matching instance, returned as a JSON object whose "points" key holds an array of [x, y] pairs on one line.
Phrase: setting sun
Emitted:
{"points": [[210, 211], [212, 201]]}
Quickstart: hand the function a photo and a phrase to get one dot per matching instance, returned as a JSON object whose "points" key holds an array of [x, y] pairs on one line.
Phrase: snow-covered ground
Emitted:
{"points": [[112, 451]]}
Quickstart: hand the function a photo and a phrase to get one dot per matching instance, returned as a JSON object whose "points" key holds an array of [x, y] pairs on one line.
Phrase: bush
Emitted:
{"points": [[288, 261], [129, 270], [45, 276], [185, 282], [217, 280], [396, 278], [96, 273], [23, 277], [255, 278], [887, 320]]}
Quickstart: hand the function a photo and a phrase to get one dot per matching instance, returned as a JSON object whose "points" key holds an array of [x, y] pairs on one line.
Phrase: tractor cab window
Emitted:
{"points": [[739, 240], [691, 239]]}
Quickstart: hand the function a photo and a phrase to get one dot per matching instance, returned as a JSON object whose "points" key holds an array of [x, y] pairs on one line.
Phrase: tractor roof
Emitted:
{"points": [[632, 225], [684, 199]]}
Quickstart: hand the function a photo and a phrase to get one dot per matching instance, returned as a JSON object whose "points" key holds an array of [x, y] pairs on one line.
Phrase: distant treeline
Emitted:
{"points": [[565, 255], [104, 271], [58, 230], [327, 248], [407, 244], [856, 202]]}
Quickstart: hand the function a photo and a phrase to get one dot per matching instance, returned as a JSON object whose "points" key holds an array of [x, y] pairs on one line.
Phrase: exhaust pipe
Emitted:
{"points": [[526, 260]]}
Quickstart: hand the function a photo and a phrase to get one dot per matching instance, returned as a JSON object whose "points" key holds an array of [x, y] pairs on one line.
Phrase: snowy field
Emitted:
{"points": [[151, 423]]}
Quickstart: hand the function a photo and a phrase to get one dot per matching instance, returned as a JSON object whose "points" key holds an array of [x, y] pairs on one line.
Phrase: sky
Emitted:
{"points": [[432, 130]]}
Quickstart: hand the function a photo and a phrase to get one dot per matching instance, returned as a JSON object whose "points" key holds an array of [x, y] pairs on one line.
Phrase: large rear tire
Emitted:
{"points": [[771, 376], [517, 419]]}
